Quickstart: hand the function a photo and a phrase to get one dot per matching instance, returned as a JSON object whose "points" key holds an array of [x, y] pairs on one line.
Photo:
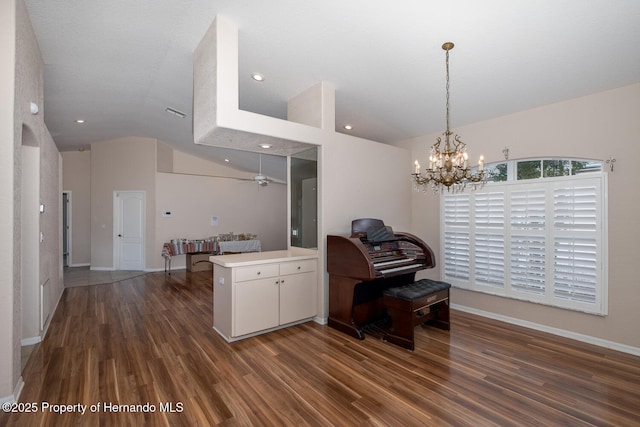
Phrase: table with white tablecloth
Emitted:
{"points": [[239, 246]]}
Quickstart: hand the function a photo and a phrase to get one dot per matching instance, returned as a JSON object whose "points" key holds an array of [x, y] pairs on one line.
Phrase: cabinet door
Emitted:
{"points": [[256, 306], [297, 297]]}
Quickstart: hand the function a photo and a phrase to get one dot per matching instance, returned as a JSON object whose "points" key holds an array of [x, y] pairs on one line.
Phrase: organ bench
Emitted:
{"points": [[424, 302]]}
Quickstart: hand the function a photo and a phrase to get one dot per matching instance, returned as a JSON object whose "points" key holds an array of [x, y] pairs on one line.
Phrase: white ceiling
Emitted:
{"points": [[119, 63]]}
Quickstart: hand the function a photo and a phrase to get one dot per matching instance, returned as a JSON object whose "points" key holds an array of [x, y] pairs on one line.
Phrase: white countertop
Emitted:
{"points": [[254, 258]]}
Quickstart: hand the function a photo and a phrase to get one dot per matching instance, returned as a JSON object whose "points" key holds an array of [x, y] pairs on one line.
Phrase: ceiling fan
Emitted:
{"points": [[260, 179]]}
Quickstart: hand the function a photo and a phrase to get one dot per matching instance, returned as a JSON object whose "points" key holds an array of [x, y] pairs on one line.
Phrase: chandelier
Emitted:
{"points": [[448, 160]]}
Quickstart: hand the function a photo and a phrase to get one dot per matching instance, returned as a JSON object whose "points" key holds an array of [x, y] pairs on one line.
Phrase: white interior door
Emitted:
{"points": [[129, 224]]}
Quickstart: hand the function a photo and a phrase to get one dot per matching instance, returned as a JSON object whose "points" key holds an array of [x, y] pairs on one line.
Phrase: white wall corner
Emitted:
{"points": [[12, 398], [315, 107], [215, 78], [217, 118]]}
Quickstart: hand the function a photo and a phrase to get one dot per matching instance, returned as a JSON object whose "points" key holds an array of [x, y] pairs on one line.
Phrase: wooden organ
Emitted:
{"points": [[361, 266]]}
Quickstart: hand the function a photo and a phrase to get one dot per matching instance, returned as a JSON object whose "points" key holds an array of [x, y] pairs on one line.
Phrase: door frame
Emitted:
{"points": [[116, 226], [67, 232]]}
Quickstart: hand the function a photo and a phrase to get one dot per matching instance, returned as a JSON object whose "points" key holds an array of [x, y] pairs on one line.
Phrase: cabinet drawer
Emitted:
{"points": [[256, 272], [294, 267]]}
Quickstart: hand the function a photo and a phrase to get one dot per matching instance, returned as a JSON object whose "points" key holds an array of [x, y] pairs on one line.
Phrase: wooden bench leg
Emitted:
{"points": [[439, 316], [402, 328]]}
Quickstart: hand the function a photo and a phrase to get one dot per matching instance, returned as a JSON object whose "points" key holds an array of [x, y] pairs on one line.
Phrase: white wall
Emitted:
{"points": [[124, 164], [241, 207], [77, 180], [596, 126], [190, 187], [8, 334]]}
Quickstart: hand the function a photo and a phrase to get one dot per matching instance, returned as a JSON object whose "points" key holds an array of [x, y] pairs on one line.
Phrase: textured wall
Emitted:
{"points": [[10, 332], [21, 127]]}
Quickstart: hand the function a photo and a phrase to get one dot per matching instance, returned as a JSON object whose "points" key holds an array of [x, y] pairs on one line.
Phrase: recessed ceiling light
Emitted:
{"points": [[175, 112], [80, 121], [265, 145], [226, 160], [348, 127], [257, 77]]}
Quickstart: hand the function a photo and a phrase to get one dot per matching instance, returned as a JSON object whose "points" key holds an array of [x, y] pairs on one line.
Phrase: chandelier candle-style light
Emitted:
{"points": [[448, 165]]}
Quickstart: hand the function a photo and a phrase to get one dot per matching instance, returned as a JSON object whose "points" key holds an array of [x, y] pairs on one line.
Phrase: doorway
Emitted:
{"points": [[128, 225]]}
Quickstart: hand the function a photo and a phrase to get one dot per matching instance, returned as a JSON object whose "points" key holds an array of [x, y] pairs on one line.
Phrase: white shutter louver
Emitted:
{"points": [[457, 252], [489, 259], [528, 209], [489, 239], [457, 255], [456, 210], [528, 265], [575, 208], [575, 269]]}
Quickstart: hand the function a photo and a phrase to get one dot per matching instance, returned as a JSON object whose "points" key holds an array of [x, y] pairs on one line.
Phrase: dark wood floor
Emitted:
{"points": [[149, 339]]}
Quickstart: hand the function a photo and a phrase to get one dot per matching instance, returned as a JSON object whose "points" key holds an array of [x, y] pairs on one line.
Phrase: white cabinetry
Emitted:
{"points": [[249, 299]]}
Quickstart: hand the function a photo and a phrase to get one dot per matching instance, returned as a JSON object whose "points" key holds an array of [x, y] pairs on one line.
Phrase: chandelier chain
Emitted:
{"points": [[447, 87]]}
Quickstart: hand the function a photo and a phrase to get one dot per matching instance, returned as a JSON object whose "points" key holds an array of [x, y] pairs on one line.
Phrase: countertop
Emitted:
{"points": [[255, 258]]}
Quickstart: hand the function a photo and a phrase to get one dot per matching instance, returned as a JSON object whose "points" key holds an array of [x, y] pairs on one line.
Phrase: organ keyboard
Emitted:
{"points": [[361, 266]]}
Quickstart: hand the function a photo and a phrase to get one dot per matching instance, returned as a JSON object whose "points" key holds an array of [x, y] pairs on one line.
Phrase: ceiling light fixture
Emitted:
{"points": [[265, 146], [80, 121], [257, 77], [348, 127], [448, 167], [175, 112]]}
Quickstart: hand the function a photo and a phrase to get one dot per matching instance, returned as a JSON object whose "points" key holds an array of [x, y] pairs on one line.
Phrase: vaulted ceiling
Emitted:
{"points": [[119, 64]]}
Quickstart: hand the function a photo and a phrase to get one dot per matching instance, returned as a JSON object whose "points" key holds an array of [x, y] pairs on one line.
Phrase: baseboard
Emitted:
{"points": [[16, 393], [147, 270], [46, 326], [30, 341], [555, 331], [161, 269], [80, 265], [320, 320]]}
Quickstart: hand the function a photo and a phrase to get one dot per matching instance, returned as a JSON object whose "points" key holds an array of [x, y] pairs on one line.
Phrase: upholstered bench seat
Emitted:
{"points": [[424, 302]]}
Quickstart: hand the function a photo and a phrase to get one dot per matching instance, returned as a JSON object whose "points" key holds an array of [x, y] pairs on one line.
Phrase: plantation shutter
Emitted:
{"points": [[457, 252], [528, 240], [575, 212], [541, 241], [489, 239]]}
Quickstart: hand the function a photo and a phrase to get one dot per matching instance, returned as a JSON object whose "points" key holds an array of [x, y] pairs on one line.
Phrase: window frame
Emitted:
{"points": [[461, 241]]}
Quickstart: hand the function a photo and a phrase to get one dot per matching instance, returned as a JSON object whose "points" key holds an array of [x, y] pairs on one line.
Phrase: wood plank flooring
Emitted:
{"points": [[149, 339]]}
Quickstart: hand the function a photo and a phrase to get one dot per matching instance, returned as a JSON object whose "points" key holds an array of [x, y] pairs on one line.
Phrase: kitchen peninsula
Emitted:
{"points": [[258, 292]]}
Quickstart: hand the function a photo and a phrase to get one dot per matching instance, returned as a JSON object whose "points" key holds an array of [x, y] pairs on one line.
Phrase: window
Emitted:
{"points": [[540, 240]]}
